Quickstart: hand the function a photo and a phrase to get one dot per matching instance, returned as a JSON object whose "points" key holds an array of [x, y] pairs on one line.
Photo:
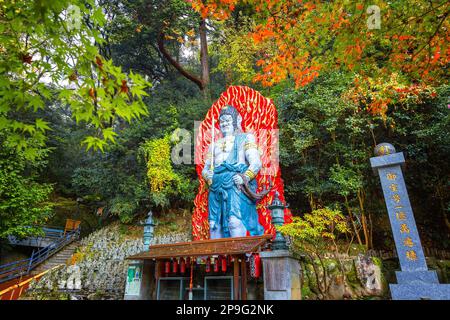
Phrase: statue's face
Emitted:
{"points": [[226, 124]]}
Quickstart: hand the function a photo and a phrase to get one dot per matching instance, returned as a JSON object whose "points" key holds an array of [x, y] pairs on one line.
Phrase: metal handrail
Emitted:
{"points": [[24, 267], [25, 283], [49, 233]]}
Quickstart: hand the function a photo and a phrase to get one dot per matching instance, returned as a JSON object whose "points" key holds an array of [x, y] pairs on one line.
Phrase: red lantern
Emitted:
{"points": [[175, 266], [208, 264], [224, 264], [182, 265], [216, 265], [167, 267]]}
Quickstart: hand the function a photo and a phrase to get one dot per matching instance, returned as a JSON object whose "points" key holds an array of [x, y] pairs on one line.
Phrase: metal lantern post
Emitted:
{"points": [[277, 212], [149, 227]]}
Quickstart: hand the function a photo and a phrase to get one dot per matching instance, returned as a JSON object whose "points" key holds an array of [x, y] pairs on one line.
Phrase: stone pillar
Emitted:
{"points": [[281, 271], [281, 275], [414, 281]]}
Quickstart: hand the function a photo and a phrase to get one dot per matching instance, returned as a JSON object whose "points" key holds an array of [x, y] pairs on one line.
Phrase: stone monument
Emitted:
{"points": [[414, 281]]}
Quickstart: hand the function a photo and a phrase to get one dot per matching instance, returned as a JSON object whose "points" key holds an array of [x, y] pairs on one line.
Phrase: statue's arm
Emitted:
{"points": [[252, 156], [207, 173]]}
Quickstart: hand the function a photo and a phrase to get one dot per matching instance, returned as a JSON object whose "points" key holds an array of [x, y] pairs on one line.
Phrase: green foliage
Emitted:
{"points": [[327, 141], [316, 231], [117, 179], [47, 53], [235, 53], [24, 202], [164, 182], [312, 236], [326, 144]]}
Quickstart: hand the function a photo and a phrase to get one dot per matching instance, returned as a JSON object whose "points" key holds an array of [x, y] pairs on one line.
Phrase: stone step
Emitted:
{"points": [[64, 255], [61, 257]]}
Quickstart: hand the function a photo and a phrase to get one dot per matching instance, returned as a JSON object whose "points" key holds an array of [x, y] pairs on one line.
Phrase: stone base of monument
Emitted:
{"points": [[281, 275], [419, 285]]}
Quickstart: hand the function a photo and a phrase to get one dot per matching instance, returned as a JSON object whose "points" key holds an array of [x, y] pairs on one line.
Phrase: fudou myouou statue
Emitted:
{"points": [[236, 157], [233, 162]]}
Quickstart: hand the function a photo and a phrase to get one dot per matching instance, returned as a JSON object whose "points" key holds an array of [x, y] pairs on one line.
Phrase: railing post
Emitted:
{"points": [[30, 263]]}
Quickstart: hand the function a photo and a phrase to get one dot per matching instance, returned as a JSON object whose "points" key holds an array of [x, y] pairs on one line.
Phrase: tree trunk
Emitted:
{"points": [[347, 205]]}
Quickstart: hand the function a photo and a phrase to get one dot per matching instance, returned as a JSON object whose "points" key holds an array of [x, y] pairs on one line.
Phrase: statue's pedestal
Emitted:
{"points": [[281, 275]]}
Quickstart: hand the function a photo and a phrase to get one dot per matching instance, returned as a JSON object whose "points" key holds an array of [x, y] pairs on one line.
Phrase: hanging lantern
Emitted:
{"points": [[216, 265], [175, 266], [224, 264], [255, 266], [167, 267], [208, 264], [182, 265]]}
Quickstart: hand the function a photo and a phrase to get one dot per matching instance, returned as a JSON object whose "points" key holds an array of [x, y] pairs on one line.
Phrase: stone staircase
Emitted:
{"points": [[58, 258]]}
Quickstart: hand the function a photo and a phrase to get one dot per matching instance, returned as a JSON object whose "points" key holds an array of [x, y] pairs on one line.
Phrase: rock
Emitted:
{"points": [[337, 288], [369, 274]]}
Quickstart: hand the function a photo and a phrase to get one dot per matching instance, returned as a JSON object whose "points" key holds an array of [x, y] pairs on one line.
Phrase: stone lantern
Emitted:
{"points": [[138, 272], [149, 227], [277, 212], [282, 272]]}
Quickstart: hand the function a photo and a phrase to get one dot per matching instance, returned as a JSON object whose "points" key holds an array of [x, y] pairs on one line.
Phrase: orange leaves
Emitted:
{"points": [[92, 93], [376, 94], [219, 10], [354, 52], [303, 37], [402, 37], [437, 55], [263, 33]]}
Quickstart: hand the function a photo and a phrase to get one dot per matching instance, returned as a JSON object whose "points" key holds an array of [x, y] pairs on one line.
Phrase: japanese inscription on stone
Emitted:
{"points": [[402, 220]]}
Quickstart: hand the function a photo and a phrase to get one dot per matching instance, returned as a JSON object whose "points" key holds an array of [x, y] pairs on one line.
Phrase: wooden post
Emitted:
{"points": [[158, 266], [236, 278], [243, 279]]}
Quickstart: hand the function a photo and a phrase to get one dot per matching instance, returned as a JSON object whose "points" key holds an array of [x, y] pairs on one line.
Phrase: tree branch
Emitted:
{"points": [[177, 66]]}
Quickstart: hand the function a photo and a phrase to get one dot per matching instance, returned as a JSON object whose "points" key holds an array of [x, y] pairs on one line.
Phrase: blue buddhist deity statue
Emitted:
{"points": [[232, 164]]}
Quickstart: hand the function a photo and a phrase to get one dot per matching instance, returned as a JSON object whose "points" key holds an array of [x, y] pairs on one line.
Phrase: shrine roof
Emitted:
{"points": [[223, 246]]}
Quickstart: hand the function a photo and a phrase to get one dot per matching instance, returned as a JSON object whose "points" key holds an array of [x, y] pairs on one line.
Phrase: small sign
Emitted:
{"points": [[134, 278]]}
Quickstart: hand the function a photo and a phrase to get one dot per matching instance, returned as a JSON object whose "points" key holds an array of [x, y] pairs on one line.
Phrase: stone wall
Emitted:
{"points": [[359, 277], [98, 267], [364, 277]]}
